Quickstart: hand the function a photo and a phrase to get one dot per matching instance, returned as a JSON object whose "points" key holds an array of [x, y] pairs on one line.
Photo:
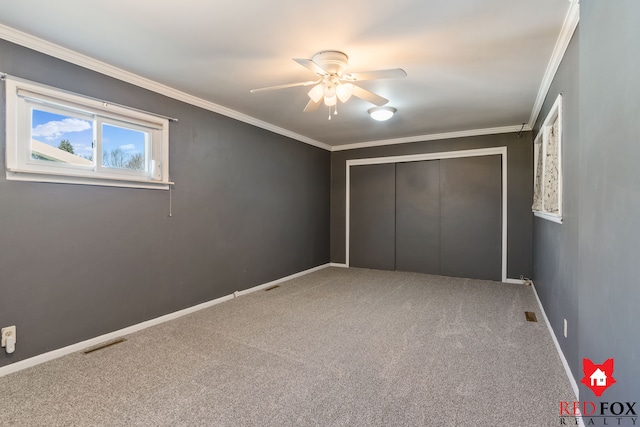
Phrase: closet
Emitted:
{"points": [[432, 216]]}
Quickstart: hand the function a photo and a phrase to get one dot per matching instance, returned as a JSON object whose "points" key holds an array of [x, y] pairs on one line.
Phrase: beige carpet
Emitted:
{"points": [[338, 347]]}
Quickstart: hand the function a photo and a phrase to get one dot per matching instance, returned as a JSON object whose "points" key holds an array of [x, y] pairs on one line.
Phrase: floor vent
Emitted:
{"points": [[273, 287], [104, 345], [530, 316]]}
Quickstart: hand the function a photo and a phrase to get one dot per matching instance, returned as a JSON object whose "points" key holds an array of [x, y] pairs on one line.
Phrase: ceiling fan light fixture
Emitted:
{"points": [[329, 90], [381, 113], [330, 101], [316, 93], [344, 92]]}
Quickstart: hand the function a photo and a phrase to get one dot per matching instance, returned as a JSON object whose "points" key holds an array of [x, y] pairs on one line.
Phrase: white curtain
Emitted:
{"points": [[537, 177], [551, 169]]}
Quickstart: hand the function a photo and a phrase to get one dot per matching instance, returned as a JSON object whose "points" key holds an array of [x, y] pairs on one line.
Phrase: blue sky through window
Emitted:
{"points": [[129, 140], [51, 128]]}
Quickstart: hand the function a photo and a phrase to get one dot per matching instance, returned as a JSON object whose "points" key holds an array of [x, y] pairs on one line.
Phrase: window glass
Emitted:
{"points": [[60, 138], [124, 148]]}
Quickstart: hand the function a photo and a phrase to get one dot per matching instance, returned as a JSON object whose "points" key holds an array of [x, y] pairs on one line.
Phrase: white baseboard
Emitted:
{"points": [[515, 281], [336, 264], [45, 357], [567, 369], [283, 279]]}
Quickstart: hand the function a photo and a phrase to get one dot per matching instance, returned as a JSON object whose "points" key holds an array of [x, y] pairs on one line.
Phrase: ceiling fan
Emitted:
{"points": [[334, 83]]}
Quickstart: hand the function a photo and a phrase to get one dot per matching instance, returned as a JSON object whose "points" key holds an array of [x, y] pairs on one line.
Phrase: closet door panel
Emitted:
{"points": [[372, 216], [471, 217], [418, 216]]}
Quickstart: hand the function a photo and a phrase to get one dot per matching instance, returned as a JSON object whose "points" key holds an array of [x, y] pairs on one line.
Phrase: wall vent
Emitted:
{"points": [[104, 345]]}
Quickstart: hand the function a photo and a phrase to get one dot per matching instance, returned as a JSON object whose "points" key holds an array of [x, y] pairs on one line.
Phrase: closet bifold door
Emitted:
{"points": [[471, 217], [372, 216], [418, 216]]}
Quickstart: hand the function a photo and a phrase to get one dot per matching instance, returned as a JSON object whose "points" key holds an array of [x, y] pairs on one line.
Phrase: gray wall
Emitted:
{"points": [[585, 270], [519, 188], [555, 246], [609, 192], [77, 261]]}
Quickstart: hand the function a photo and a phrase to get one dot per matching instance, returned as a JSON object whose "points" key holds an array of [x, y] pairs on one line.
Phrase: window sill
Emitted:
{"points": [[548, 216], [111, 181]]}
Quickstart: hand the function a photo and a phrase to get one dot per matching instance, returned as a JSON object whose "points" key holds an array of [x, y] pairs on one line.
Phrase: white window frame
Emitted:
{"points": [[540, 149], [21, 95]]}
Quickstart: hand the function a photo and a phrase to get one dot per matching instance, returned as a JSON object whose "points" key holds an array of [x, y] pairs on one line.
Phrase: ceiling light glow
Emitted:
{"points": [[316, 93], [344, 92], [330, 101], [382, 113], [329, 90]]}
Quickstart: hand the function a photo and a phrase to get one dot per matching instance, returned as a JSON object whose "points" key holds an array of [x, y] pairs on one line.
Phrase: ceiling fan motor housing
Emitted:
{"points": [[333, 61]]}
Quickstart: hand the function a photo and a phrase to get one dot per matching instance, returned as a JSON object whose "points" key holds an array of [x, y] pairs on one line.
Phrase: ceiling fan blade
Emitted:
{"points": [[369, 96], [309, 64], [284, 86], [312, 106], [394, 73]]}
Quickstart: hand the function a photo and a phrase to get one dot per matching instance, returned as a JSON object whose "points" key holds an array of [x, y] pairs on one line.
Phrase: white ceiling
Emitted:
{"points": [[471, 64]]}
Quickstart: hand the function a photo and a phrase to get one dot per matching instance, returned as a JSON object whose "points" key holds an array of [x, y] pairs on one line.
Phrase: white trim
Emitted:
{"points": [[478, 152], [568, 28], [108, 181], [554, 115], [548, 216], [23, 39], [51, 355], [433, 137], [515, 281], [347, 212], [283, 279], [567, 369], [337, 264], [502, 151], [68, 55]]}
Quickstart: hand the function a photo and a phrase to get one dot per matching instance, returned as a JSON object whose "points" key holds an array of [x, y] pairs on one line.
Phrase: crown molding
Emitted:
{"points": [[568, 28], [433, 137], [68, 55], [40, 45]]}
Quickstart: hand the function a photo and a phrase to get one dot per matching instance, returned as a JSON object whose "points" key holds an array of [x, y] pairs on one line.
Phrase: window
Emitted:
{"points": [[56, 136], [547, 179]]}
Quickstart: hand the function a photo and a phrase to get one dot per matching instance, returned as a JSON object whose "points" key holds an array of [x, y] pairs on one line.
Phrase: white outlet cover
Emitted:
{"points": [[565, 328], [7, 332]]}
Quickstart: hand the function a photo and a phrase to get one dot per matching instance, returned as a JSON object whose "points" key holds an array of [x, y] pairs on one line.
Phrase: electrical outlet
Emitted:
{"points": [[6, 333], [565, 328]]}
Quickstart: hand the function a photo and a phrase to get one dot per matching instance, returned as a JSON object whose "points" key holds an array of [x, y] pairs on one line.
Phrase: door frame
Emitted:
{"points": [[492, 151]]}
